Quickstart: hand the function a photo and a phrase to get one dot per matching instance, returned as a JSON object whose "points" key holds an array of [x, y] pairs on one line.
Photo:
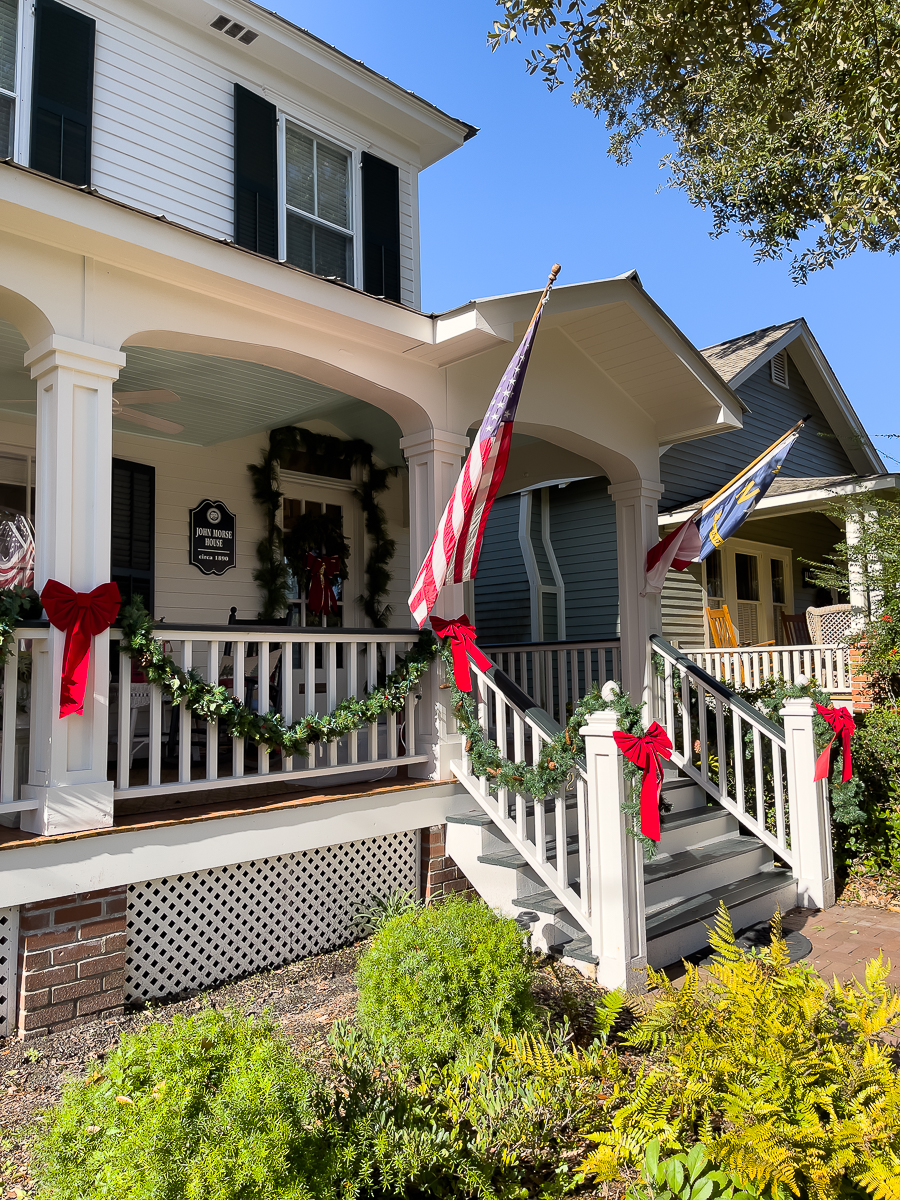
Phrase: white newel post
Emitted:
{"points": [[68, 771], [637, 529], [435, 458], [808, 808], [616, 863]]}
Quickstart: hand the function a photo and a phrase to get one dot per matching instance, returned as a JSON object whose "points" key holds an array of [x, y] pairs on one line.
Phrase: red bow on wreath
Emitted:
{"points": [[841, 721], [461, 633], [82, 615], [323, 572], [645, 752]]}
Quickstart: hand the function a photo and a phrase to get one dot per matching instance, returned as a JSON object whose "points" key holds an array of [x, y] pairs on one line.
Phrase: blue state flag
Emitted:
{"points": [[722, 517]]}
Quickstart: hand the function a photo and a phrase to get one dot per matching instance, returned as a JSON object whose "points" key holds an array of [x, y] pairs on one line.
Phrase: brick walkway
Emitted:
{"points": [[845, 937]]}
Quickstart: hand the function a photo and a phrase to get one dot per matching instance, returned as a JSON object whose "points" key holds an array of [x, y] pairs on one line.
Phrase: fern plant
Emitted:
{"points": [[785, 1079]]}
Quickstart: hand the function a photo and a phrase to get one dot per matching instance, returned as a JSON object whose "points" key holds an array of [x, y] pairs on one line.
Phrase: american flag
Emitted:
{"points": [[453, 557]]}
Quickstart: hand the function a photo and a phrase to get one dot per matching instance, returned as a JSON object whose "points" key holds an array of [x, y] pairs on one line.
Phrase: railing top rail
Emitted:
{"points": [[274, 633], [593, 643], [751, 714], [760, 649]]}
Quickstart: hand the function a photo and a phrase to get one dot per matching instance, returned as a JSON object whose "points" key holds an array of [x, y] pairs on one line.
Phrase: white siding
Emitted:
{"points": [[408, 271], [682, 607]]}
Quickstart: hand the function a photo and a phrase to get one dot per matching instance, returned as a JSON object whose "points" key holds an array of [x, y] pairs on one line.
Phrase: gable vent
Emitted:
{"points": [[779, 368], [234, 29]]}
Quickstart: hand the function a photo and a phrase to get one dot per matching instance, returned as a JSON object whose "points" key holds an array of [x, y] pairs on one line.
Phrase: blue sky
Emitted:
{"points": [[536, 185]]}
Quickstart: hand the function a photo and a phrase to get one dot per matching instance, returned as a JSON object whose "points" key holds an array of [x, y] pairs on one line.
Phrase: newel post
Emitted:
{"points": [[810, 822], [616, 871]]}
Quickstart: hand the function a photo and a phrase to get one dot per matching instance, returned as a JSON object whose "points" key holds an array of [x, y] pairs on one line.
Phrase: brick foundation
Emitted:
{"points": [[440, 876], [859, 682], [71, 961]]}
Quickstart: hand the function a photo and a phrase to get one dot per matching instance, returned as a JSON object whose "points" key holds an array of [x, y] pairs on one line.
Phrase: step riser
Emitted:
{"points": [[496, 885], [672, 947], [706, 877], [682, 798], [673, 841]]}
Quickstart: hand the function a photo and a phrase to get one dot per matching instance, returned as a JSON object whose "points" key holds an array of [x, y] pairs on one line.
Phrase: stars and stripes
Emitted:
{"points": [[453, 557]]}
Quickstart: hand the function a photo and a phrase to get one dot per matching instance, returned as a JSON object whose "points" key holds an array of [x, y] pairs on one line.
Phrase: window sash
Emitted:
{"points": [[313, 214]]}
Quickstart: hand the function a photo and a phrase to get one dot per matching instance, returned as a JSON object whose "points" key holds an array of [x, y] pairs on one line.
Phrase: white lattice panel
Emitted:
{"points": [[9, 950], [199, 929]]}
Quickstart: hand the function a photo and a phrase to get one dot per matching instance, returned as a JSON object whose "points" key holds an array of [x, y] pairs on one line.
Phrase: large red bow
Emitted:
{"points": [[461, 633], [323, 571], [645, 753], [81, 615], [841, 721]]}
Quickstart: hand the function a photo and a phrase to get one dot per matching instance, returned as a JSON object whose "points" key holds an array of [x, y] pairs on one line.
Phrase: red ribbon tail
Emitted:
{"points": [[461, 673], [848, 762], [76, 663], [824, 761], [651, 788]]}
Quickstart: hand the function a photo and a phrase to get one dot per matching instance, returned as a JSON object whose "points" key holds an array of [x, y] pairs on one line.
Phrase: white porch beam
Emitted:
{"points": [[68, 774]]}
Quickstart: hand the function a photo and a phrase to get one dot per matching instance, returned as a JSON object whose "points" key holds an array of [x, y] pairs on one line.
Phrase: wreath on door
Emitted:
{"points": [[317, 553]]}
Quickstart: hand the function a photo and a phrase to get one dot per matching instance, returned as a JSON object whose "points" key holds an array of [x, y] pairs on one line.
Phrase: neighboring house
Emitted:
{"points": [[209, 230], [554, 542]]}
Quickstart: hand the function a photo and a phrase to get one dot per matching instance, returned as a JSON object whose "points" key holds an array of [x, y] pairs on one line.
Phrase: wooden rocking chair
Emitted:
{"points": [[724, 635], [796, 629]]}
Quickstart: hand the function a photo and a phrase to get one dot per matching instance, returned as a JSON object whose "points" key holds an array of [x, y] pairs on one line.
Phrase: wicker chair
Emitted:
{"points": [[829, 625]]}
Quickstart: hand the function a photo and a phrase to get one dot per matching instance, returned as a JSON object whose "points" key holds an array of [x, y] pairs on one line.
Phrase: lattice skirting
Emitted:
{"points": [[204, 928], [9, 949]]}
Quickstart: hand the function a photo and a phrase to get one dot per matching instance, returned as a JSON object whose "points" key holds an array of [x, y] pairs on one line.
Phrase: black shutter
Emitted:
{"points": [[381, 227], [132, 548], [62, 94], [255, 173]]}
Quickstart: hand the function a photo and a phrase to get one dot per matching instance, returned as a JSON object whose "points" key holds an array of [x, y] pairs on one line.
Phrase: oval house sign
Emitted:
{"points": [[212, 536]]}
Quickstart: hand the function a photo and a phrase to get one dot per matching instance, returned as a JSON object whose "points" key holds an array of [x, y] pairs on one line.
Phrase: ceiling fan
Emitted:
{"points": [[121, 409]]}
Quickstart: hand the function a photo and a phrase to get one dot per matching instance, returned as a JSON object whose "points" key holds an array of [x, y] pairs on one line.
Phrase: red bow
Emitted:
{"points": [[81, 615], [645, 753], [461, 633], [841, 721], [321, 598]]}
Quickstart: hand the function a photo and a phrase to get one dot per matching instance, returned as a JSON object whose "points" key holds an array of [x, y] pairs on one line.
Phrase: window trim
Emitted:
{"points": [[354, 191], [23, 66]]}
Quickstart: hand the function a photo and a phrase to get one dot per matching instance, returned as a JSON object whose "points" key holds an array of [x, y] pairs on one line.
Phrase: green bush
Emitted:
{"points": [[211, 1107], [684, 1177], [440, 977]]}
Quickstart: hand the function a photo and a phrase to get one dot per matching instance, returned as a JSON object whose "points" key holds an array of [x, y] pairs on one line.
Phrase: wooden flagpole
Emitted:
{"points": [[554, 271]]}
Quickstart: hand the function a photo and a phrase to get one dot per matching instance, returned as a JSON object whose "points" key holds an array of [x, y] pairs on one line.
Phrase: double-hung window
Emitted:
{"points": [[9, 12], [319, 205]]}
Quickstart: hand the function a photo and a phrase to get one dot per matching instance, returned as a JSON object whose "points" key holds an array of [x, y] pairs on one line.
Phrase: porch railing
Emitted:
{"points": [[20, 718], [556, 675], [751, 666], [160, 747]]}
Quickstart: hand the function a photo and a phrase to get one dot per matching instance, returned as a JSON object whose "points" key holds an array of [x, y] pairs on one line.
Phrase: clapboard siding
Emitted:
{"points": [[502, 591], [696, 469], [682, 607], [408, 249], [583, 536]]}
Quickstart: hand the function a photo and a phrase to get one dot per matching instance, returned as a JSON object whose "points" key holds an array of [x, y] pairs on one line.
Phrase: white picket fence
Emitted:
{"points": [[556, 675], [751, 666], [292, 671]]}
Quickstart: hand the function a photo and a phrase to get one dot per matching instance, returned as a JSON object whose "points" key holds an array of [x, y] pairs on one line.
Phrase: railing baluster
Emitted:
{"points": [[390, 652], [540, 831], [584, 850], [721, 748], [262, 706], [287, 696], [669, 684], [562, 855], [123, 748], [372, 681], [739, 798], [154, 753], [212, 727], [685, 715], [309, 694], [238, 649], [351, 662], [779, 794], [702, 733], [184, 720], [759, 778], [329, 649]]}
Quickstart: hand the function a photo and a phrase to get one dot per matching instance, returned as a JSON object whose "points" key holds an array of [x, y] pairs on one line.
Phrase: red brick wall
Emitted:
{"points": [[71, 961], [440, 876], [860, 682]]}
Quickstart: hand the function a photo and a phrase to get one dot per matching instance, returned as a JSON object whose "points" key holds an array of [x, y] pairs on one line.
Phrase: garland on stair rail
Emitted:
{"points": [[564, 752], [279, 555], [213, 703]]}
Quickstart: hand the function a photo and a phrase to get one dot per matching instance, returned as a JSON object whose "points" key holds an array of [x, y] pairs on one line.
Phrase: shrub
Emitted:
{"points": [[785, 1079], [439, 977], [211, 1107], [683, 1177]]}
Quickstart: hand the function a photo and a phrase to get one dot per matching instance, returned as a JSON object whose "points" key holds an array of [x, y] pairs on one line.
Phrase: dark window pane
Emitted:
{"points": [[746, 576], [132, 543], [381, 227], [333, 176], [299, 242], [8, 22], [778, 581], [300, 170], [714, 585], [7, 115], [332, 254]]}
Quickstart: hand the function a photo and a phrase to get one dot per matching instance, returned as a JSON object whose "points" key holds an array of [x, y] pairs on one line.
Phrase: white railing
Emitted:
{"points": [[556, 675], [160, 747], [751, 666], [19, 714], [734, 752]]}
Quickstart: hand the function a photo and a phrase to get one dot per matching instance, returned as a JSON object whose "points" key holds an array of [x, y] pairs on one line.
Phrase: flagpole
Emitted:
{"points": [[554, 271], [750, 466]]}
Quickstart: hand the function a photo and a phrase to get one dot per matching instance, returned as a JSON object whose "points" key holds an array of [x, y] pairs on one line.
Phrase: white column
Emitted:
{"points": [[618, 926], [810, 820], [637, 529], [68, 772], [435, 458], [859, 594]]}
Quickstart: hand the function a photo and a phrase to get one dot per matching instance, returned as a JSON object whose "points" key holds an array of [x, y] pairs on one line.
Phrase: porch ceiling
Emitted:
{"points": [[220, 399]]}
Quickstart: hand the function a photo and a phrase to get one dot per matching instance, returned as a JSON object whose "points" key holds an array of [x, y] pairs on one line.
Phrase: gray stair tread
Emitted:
{"points": [[700, 908], [508, 858], [544, 902], [700, 856], [476, 817], [579, 947], [690, 816]]}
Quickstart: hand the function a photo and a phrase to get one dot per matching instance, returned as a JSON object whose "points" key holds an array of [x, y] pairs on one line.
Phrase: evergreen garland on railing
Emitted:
{"points": [[561, 754], [213, 703], [17, 604], [334, 456]]}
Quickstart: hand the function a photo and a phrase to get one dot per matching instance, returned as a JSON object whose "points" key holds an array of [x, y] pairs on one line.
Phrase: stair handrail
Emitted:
{"points": [[771, 809]]}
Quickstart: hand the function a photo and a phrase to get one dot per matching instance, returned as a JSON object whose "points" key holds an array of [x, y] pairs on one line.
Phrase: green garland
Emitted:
{"points": [[334, 455], [213, 703], [563, 753], [17, 604]]}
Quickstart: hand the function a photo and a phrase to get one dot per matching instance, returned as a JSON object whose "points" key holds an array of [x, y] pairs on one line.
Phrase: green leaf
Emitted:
{"points": [[674, 1174], [651, 1159], [696, 1161], [702, 1189]]}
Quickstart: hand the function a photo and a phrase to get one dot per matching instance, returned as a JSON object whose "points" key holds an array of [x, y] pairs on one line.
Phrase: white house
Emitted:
{"points": [[209, 230]]}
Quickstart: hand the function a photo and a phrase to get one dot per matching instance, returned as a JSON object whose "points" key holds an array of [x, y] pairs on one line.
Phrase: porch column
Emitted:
{"points": [[435, 458], [637, 529], [67, 772]]}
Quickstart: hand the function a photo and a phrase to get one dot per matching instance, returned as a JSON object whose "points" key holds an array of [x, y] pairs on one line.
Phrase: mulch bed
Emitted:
{"points": [[872, 891], [304, 998]]}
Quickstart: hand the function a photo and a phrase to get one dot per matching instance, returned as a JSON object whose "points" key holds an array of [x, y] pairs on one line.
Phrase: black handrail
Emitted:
{"points": [[713, 685]]}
